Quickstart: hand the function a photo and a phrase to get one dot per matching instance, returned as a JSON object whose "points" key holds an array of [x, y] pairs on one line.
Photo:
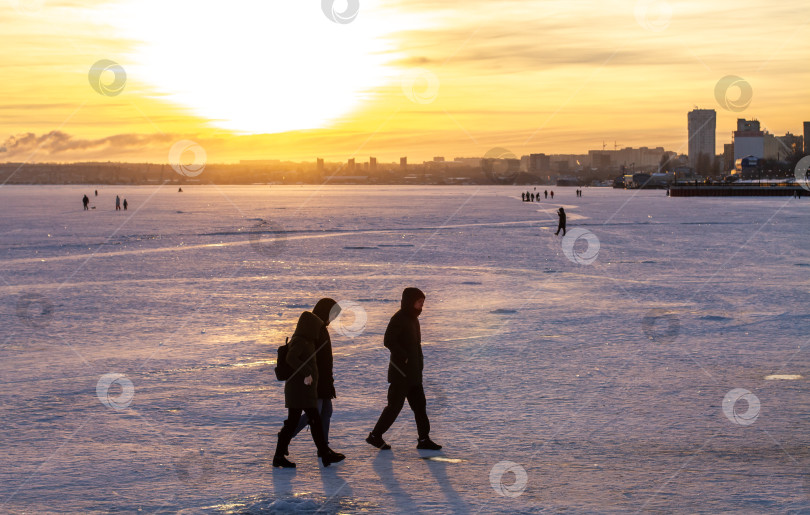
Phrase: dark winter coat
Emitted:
{"points": [[403, 337], [561, 213], [301, 357], [323, 356]]}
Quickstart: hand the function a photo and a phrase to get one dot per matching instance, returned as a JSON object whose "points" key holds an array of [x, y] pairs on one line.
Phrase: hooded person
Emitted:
{"points": [[561, 225], [403, 337], [301, 392], [326, 310]]}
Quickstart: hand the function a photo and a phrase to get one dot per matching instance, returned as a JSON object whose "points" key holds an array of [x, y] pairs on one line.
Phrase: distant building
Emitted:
{"points": [[789, 144], [372, 164], [807, 137], [539, 163], [403, 163], [319, 165], [351, 166], [749, 140], [702, 124], [728, 157], [438, 159]]}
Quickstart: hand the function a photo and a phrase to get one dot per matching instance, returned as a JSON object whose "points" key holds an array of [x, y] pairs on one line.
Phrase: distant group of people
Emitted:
{"points": [[531, 196], [309, 391], [86, 202], [579, 193]]}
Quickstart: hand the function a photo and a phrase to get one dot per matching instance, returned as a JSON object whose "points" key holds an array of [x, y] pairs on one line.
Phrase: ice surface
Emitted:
{"points": [[602, 383]]}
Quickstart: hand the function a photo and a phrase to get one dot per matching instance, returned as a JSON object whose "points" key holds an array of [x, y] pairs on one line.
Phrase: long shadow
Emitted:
{"points": [[335, 487], [282, 482], [439, 471], [384, 467]]}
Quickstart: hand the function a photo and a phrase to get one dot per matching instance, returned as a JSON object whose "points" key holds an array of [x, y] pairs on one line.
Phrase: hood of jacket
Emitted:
{"points": [[324, 308], [409, 297], [309, 326]]}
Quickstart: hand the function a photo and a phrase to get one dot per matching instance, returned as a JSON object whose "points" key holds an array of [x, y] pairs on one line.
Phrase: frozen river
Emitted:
{"points": [[654, 360]]}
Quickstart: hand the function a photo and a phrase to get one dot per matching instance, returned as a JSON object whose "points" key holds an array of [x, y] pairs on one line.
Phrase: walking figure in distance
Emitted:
{"points": [[403, 337], [125, 204], [545, 192], [300, 393], [561, 225], [85, 202], [117, 203], [326, 310]]}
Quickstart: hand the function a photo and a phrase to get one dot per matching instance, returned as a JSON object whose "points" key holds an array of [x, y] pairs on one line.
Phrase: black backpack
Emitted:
{"points": [[283, 369]]}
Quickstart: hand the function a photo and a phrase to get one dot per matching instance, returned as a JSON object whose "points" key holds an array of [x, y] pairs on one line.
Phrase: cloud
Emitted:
{"points": [[56, 143]]}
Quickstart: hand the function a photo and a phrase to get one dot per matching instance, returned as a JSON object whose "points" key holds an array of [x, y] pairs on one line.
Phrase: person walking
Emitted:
{"points": [[403, 337], [85, 202], [117, 203], [300, 393], [561, 225], [326, 310], [545, 192], [126, 204]]}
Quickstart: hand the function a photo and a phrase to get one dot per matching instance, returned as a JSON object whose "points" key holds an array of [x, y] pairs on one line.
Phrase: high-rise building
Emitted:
{"points": [[319, 166], [807, 137], [702, 128], [539, 163], [351, 166], [372, 163], [403, 163], [749, 140]]}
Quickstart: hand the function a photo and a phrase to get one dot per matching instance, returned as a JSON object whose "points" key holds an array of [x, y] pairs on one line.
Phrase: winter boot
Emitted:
{"points": [[279, 459], [330, 457], [377, 442], [427, 444]]}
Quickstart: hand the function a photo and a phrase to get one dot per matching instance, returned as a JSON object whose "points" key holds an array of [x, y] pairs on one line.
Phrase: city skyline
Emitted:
{"points": [[118, 82]]}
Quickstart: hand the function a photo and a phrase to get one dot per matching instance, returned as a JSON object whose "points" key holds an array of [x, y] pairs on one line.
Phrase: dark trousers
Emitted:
{"points": [[560, 228], [396, 400], [315, 427]]}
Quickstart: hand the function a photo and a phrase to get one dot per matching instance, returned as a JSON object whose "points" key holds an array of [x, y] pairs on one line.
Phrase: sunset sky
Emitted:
{"points": [[277, 79]]}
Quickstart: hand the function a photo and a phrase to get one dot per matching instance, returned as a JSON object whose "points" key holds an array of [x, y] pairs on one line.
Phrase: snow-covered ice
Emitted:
{"points": [[658, 362]]}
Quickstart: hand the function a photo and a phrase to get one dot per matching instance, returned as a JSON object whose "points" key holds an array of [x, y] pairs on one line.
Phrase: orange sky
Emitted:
{"points": [[281, 80]]}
